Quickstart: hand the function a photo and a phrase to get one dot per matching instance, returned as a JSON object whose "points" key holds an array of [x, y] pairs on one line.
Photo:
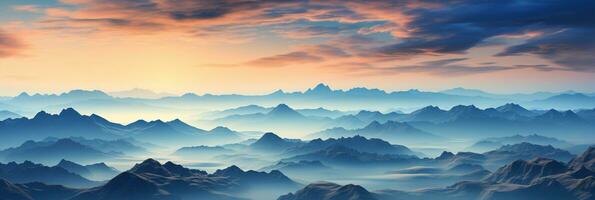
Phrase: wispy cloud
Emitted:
{"points": [[10, 45]]}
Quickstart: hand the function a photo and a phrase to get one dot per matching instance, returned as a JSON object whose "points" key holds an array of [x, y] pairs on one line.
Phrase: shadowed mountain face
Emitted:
{"points": [[587, 160], [152, 180], [505, 154], [539, 178], [525, 172], [34, 191], [330, 191]]}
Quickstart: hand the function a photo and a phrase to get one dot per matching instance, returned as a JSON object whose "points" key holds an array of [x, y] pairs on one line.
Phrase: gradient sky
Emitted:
{"points": [[238, 46]]}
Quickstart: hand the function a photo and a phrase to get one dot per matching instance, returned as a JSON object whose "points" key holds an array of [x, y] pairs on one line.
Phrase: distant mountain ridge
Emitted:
{"points": [[70, 123], [53, 151], [392, 131], [5, 114], [97, 171], [358, 97], [27, 172]]}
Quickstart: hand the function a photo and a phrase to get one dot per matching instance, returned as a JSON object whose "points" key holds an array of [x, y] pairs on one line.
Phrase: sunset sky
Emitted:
{"points": [[255, 47]]}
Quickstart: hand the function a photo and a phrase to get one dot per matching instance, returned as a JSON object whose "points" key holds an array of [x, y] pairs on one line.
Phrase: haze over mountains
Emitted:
{"points": [[157, 106], [318, 144]]}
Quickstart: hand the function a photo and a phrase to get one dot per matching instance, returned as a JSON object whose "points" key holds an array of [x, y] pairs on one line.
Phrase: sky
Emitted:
{"points": [[254, 47]]}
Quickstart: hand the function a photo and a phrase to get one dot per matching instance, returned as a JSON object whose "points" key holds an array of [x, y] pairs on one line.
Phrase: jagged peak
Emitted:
{"points": [[66, 162], [150, 166], [229, 171], [282, 107], [221, 129], [69, 112], [41, 114], [463, 108], [321, 87], [445, 155], [269, 136]]}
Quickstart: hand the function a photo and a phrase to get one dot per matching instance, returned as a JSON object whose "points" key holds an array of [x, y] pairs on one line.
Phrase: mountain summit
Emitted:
{"points": [[320, 89]]}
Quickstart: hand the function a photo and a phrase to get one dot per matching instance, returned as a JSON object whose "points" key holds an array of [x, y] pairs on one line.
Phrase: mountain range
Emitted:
{"points": [[5, 114], [493, 143], [539, 178], [27, 172], [97, 171], [143, 106], [51, 152], [70, 123], [152, 180], [392, 131]]}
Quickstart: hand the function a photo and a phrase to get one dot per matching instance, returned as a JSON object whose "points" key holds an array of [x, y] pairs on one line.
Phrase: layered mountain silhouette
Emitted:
{"points": [[127, 146], [299, 166], [357, 142], [342, 156], [152, 180], [493, 143], [270, 142], [392, 131], [567, 101], [27, 172], [34, 191], [539, 178], [70, 123], [5, 114], [466, 121], [97, 171], [202, 151], [588, 114], [504, 155], [527, 151], [321, 95], [280, 118], [255, 109], [51, 152]]}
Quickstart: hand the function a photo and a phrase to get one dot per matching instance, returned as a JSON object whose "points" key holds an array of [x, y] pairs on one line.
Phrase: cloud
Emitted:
{"points": [[452, 67], [458, 26], [304, 55], [10, 45], [281, 60], [572, 48], [27, 8]]}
